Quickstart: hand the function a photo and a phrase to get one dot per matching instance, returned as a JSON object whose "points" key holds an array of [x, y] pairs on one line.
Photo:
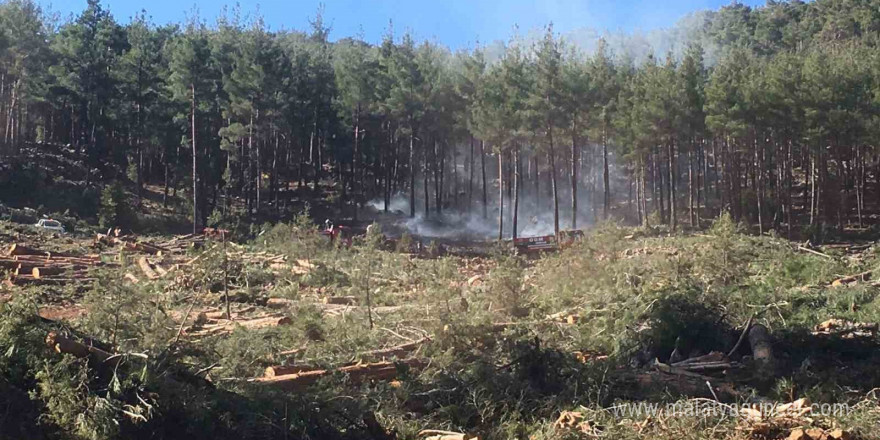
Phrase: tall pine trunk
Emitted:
{"points": [[471, 178], [412, 175], [485, 190], [574, 177], [500, 196], [553, 181], [673, 219], [606, 178], [195, 174], [355, 157], [516, 177], [426, 183]]}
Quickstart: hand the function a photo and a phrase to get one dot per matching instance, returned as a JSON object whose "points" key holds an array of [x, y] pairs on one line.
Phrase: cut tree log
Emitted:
{"points": [[279, 303], [48, 271], [762, 350], [37, 274], [226, 327], [843, 328], [42, 260], [437, 434], [356, 373], [26, 280], [272, 321], [852, 279], [283, 370], [147, 269], [68, 346], [19, 249]]}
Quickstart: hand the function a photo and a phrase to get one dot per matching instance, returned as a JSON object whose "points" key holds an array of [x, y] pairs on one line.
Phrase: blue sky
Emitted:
{"points": [[455, 23]]}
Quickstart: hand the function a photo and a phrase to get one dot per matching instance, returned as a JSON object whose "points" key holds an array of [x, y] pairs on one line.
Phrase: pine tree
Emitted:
{"points": [[139, 80], [189, 62], [547, 105], [87, 50], [356, 71]]}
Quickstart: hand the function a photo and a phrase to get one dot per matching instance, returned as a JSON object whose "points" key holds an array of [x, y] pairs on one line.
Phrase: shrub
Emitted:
{"points": [[507, 288], [374, 238]]}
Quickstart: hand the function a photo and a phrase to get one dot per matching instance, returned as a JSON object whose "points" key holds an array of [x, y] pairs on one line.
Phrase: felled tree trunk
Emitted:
{"points": [[357, 373], [762, 351], [68, 346]]}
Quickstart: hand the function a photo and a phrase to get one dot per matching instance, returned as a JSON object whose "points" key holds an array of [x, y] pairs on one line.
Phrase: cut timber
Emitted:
{"points": [[475, 280], [436, 434], [18, 249], [48, 271], [283, 370], [67, 346], [340, 300], [40, 261], [9, 263], [852, 279], [279, 303], [24, 280], [846, 329], [133, 279], [356, 373], [274, 321], [147, 269], [762, 350], [226, 327]]}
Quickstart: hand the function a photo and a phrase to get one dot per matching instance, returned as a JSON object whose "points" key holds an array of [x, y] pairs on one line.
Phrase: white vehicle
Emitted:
{"points": [[50, 225]]}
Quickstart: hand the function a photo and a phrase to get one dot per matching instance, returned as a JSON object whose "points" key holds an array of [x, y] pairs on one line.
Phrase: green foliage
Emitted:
{"points": [[374, 239], [507, 288], [63, 387], [115, 208]]}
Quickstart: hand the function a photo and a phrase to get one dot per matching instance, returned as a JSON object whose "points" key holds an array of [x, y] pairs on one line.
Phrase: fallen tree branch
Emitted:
{"points": [[394, 351], [805, 249], [742, 336]]}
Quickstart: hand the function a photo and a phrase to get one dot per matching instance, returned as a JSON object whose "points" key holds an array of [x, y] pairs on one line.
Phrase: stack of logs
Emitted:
{"points": [[181, 243], [128, 243], [33, 266]]}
